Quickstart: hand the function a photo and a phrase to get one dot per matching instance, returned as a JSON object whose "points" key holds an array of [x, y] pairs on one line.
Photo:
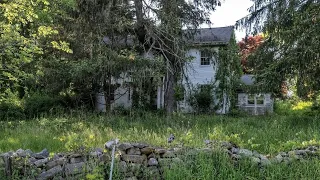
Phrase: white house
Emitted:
{"points": [[254, 103], [200, 71]]}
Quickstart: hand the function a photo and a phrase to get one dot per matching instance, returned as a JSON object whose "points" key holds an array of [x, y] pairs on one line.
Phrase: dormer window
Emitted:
{"points": [[205, 57]]}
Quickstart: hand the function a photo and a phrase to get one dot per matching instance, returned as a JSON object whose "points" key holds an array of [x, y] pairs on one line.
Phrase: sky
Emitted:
{"points": [[228, 13]]}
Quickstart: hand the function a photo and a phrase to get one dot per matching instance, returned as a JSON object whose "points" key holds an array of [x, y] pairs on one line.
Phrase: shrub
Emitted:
{"points": [[38, 104], [283, 107], [10, 111], [201, 98], [293, 107], [10, 106], [316, 104]]}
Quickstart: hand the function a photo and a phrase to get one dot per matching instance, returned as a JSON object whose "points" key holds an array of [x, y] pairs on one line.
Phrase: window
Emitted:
{"points": [[205, 58], [255, 99], [251, 99], [260, 99]]}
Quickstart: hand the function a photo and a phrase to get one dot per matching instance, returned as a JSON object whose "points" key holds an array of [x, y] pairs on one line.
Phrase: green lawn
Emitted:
{"points": [[267, 135]]}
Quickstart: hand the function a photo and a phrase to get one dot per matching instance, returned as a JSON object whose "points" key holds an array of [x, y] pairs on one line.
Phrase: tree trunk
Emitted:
{"points": [[167, 46], [170, 83]]}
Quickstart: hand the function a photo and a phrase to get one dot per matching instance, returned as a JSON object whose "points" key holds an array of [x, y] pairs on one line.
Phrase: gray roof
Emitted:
{"points": [[211, 36], [202, 36], [247, 79]]}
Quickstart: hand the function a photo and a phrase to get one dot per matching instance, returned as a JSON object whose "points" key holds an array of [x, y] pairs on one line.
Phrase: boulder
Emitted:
{"points": [[147, 150], [245, 153], [234, 150], [278, 158], [152, 162], [134, 151], [41, 162], [300, 152], [71, 169], [312, 148], [139, 145], [134, 158], [264, 161], [226, 145], [124, 146], [41, 155], [21, 153], [50, 173], [96, 152], [255, 160], [160, 151], [123, 167], [109, 144]]}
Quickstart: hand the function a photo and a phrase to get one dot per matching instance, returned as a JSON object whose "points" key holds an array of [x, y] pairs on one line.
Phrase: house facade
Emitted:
{"points": [[254, 103], [199, 71]]}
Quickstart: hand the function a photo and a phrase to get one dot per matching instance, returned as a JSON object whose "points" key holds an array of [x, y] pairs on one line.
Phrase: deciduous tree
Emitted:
{"points": [[248, 46], [292, 49]]}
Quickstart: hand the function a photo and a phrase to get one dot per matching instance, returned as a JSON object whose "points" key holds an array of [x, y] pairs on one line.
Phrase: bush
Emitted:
{"points": [[201, 99], [10, 111], [38, 104], [282, 107], [10, 106], [297, 107]]}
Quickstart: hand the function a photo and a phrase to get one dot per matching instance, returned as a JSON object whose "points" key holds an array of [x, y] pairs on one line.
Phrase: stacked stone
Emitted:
{"points": [[25, 163], [132, 160], [236, 153], [141, 161], [297, 155]]}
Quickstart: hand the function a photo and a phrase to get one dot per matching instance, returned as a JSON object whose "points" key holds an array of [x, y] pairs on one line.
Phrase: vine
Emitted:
{"points": [[228, 74]]}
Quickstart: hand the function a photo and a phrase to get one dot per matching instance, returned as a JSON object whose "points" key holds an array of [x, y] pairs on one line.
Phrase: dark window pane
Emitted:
{"points": [[205, 57]]}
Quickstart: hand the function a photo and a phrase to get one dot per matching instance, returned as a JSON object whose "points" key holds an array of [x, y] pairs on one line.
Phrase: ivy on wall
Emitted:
{"points": [[228, 73]]}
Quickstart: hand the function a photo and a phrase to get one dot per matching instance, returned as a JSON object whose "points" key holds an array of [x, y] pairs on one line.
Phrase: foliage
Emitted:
{"points": [[11, 107], [291, 49], [296, 107], [247, 46], [228, 74], [162, 32], [28, 32], [70, 132], [38, 103], [276, 134], [201, 98]]}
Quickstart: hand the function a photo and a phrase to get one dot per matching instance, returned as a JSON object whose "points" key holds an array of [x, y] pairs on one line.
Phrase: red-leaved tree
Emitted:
{"points": [[248, 46]]}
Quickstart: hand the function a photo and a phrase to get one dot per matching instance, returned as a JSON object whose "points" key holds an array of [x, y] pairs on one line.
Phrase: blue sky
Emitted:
{"points": [[229, 12]]}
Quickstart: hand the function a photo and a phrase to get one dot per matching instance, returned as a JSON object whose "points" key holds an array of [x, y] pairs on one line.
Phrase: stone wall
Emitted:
{"points": [[132, 160]]}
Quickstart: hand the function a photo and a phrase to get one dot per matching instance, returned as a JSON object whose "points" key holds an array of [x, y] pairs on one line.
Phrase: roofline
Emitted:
{"points": [[216, 43], [211, 28]]}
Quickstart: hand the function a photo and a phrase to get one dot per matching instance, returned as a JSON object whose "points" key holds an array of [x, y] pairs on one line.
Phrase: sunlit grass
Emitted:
{"points": [[267, 135], [301, 105]]}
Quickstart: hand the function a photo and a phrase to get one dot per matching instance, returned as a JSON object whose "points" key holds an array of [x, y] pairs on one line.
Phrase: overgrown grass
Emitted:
{"points": [[219, 166], [267, 135]]}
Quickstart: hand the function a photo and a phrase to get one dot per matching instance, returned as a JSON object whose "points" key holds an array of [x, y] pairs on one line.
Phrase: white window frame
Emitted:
{"points": [[207, 58]]}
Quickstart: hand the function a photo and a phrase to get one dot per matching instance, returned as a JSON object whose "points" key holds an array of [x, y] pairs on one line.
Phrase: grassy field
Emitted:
{"points": [[267, 135]]}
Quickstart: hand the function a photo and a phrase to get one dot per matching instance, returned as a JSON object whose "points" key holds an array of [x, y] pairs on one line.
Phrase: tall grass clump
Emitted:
{"points": [[267, 135]]}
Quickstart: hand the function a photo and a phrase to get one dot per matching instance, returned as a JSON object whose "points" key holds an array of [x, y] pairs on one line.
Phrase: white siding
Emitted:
{"points": [[199, 74], [123, 97]]}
